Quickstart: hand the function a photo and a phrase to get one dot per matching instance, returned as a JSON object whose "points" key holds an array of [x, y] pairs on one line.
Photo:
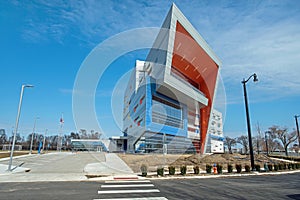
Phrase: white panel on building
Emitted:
{"points": [[216, 133]]}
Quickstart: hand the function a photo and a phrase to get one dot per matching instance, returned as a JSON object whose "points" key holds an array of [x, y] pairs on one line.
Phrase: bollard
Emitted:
{"points": [[266, 167], [215, 168]]}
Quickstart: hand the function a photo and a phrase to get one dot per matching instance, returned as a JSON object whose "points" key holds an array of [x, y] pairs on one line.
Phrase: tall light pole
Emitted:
{"points": [[297, 127], [44, 139], [16, 126], [266, 139], [33, 134], [248, 117]]}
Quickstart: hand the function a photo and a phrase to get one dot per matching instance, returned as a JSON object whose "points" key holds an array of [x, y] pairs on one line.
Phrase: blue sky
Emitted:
{"points": [[45, 42]]}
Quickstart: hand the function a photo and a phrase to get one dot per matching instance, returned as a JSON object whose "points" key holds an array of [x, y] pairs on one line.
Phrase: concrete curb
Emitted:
{"points": [[110, 178], [221, 175]]}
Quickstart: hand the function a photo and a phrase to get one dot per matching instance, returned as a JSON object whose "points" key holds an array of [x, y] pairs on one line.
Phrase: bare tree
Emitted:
{"points": [[296, 148], [98, 135], [272, 141], [83, 134], [258, 142], [229, 142], [3, 137], [243, 140], [74, 135], [283, 136]]}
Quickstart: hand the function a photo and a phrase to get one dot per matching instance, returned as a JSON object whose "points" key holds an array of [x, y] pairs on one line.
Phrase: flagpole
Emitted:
{"points": [[59, 143]]}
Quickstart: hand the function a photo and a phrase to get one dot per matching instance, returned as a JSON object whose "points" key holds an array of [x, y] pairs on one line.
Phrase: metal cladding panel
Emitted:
{"points": [[161, 128], [148, 115]]}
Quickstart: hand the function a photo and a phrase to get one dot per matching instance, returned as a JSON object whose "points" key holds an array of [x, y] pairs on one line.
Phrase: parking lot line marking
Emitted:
{"points": [[131, 185], [126, 191]]}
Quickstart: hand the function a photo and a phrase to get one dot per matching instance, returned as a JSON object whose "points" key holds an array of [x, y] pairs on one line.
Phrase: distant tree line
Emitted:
{"points": [[50, 140], [274, 139]]}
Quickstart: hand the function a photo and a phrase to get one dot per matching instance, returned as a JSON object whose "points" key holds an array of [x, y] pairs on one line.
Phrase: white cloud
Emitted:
{"points": [[89, 21], [264, 40], [248, 36]]}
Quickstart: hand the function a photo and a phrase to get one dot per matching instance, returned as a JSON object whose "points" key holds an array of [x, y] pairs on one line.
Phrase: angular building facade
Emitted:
{"points": [[169, 99]]}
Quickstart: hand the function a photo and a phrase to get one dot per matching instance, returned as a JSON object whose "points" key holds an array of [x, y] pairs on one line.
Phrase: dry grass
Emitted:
{"points": [[6, 154]]}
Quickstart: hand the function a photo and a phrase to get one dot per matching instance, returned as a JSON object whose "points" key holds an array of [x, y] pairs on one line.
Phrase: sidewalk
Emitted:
{"points": [[283, 160], [15, 168], [63, 166], [113, 165]]}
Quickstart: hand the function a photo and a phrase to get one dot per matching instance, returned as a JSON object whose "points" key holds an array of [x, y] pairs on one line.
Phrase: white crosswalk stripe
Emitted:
{"points": [[119, 186], [142, 198], [133, 189], [129, 181], [126, 191]]}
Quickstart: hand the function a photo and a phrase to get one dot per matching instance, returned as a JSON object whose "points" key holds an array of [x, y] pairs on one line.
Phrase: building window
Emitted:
{"points": [[139, 122], [142, 99], [136, 119], [170, 115], [135, 107]]}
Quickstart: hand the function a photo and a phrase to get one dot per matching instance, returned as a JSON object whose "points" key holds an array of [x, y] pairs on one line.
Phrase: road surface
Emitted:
{"points": [[286, 186]]}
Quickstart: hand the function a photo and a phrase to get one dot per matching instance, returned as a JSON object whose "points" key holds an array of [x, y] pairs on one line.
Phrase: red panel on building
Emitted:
{"points": [[191, 61]]}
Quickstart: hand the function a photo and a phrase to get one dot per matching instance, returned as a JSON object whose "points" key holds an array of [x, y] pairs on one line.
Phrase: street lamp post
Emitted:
{"points": [[297, 126], [16, 126], [248, 118], [31, 143], [44, 140], [266, 139]]}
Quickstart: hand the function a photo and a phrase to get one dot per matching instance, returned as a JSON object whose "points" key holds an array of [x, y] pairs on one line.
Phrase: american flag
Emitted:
{"points": [[61, 121]]}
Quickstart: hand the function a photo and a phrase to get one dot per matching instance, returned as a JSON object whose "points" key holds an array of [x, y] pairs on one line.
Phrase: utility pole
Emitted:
{"points": [[297, 127], [258, 137], [44, 140], [33, 132]]}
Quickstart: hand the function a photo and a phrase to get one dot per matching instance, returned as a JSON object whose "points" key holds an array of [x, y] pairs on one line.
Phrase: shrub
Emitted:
{"points": [[144, 170], [183, 170], [280, 166], [196, 169], [293, 166], [289, 166], [238, 168], [219, 169], [276, 167], [229, 168], [270, 167], [208, 168], [160, 171], [247, 168], [257, 167], [285, 166], [297, 165], [171, 170]]}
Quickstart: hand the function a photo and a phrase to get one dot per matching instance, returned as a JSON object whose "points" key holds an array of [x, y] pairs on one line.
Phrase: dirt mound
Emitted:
{"points": [[157, 160]]}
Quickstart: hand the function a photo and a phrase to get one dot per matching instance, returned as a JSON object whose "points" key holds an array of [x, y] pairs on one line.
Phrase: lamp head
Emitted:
{"points": [[28, 85], [255, 79]]}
